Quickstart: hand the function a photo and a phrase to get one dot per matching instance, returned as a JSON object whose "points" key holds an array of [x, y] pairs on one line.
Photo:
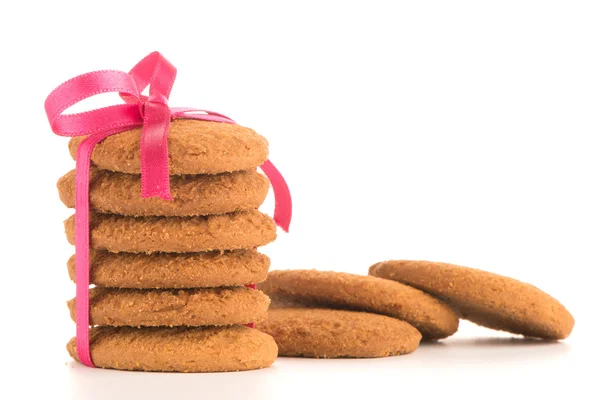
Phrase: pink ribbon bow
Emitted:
{"points": [[154, 115]]}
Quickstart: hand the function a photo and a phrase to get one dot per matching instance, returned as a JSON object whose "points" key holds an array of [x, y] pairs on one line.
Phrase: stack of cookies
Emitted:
{"points": [[174, 279]]}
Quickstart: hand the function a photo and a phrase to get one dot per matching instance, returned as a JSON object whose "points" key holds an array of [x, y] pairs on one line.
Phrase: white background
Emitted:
{"points": [[457, 131]]}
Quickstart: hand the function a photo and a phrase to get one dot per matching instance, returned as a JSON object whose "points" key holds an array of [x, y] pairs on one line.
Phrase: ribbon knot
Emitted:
{"points": [[161, 101], [153, 114], [158, 99]]}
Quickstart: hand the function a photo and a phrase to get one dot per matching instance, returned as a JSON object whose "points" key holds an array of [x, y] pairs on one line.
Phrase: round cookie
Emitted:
{"points": [[488, 299], [192, 307], [195, 147], [325, 333], [115, 233], [433, 318], [208, 349], [175, 270], [119, 193]]}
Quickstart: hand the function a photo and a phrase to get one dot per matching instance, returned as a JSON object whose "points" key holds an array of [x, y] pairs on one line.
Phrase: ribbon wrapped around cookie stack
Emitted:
{"points": [[166, 226]]}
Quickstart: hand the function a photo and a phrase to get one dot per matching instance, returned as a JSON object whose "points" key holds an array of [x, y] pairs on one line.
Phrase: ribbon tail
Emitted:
{"points": [[82, 251], [154, 152], [283, 198], [82, 245], [253, 287]]}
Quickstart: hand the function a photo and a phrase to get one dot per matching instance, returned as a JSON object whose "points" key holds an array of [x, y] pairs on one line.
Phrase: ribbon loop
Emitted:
{"points": [[155, 71], [82, 87]]}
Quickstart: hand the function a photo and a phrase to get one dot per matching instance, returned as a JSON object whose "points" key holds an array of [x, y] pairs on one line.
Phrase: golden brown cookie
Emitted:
{"points": [[490, 300], [240, 230], [193, 307], [433, 318], [119, 193], [325, 333], [195, 147], [208, 349], [175, 270]]}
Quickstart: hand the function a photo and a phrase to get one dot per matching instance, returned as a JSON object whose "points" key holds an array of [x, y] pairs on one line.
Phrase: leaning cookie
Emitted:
{"points": [[208, 349], [195, 147], [240, 230], [118, 193], [192, 307], [433, 318], [175, 270], [488, 299], [325, 333]]}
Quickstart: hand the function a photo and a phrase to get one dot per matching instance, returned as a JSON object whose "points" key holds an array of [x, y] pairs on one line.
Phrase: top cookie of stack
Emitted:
{"points": [[202, 242]]}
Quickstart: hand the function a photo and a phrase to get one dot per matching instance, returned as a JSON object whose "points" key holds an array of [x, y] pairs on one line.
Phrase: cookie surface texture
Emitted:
{"points": [[195, 147], [240, 230], [210, 349], [326, 333], [118, 193], [192, 307], [327, 289], [175, 270], [488, 299]]}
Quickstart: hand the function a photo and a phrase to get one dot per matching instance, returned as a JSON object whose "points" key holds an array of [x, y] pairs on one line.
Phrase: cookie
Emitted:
{"points": [[195, 147], [193, 307], [325, 333], [433, 318], [208, 349], [240, 230], [118, 193], [490, 300], [175, 270]]}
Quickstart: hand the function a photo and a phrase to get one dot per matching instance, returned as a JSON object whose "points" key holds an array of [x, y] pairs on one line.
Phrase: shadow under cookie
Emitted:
{"points": [[115, 233], [191, 307], [207, 349]]}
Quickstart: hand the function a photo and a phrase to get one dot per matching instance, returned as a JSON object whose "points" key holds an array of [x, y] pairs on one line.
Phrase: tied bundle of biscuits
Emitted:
{"points": [[174, 278], [326, 314]]}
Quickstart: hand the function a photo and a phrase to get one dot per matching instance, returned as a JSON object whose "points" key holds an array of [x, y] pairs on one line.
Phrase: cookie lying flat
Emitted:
{"points": [[118, 193], [209, 349], [487, 299], [325, 333], [240, 230], [193, 307], [195, 147], [175, 270], [433, 318]]}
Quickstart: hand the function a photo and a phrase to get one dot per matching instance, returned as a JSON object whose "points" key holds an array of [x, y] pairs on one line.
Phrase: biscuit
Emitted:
{"points": [[324, 333], [208, 349], [240, 230], [118, 193], [193, 307], [195, 147], [433, 318], [175, 270], [490, 300]]}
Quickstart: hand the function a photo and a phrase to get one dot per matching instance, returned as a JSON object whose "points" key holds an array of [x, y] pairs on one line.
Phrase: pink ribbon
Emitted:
{"points": [[154, 115]]}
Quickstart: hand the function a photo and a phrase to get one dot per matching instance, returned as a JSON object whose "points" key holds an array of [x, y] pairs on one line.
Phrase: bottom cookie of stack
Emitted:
{"points": [[181, 349]]}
